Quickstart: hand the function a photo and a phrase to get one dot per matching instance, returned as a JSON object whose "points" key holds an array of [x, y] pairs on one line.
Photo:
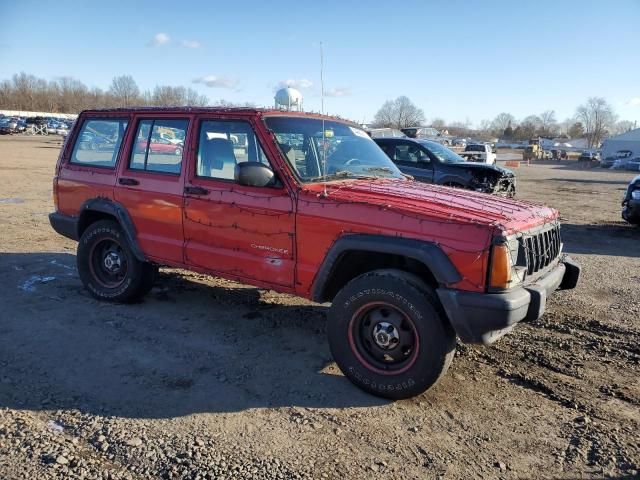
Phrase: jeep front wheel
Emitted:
{"points": [[107, 266], [388, 334]]}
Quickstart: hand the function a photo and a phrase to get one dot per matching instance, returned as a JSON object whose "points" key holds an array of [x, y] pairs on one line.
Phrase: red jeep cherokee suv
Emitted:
{"points": [[307, 205]]}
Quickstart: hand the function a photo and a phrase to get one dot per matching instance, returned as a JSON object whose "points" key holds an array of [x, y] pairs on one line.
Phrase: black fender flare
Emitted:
{"points": [[117, 210], [425, 252], [459, 179]]}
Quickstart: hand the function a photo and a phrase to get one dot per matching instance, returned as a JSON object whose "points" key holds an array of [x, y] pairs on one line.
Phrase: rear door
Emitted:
{"points": [[150, 185], [90, 159]]}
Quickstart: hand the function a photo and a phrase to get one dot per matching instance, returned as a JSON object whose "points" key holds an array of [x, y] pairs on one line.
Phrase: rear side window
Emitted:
{"points": [[98, 142], [159, 146]]}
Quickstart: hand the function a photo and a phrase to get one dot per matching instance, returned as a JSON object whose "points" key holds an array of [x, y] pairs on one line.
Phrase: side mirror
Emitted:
{"points": [[254, 174]]}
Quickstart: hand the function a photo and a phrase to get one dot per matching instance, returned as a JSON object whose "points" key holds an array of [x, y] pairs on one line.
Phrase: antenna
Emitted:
{"points": [[324, 146]]}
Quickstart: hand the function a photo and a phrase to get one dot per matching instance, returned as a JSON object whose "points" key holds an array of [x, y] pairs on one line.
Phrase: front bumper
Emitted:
{"points": [[631, 211], [485, 317]]}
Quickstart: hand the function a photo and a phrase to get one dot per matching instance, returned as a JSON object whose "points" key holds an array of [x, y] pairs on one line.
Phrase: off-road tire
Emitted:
{"points": [[418, 302], [139, 276]]}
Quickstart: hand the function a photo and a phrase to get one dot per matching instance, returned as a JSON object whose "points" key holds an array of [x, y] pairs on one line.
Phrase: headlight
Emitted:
{"points": [[635, 194]]}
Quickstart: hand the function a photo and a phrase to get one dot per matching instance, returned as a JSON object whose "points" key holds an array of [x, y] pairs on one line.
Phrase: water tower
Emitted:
{"points": [[288, 98]]}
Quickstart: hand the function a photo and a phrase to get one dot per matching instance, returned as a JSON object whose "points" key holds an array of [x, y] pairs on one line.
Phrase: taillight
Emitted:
{"points": [[500, 274], [55, 193]]}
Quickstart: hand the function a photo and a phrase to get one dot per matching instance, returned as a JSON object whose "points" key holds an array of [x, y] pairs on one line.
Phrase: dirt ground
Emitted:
{"points": [[210, 379]]}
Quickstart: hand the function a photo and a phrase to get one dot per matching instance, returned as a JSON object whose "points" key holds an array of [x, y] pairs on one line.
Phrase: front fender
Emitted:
{"points": [[427, 253]]}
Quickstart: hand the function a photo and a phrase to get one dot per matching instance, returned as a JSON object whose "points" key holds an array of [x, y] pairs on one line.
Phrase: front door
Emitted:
{"points": [[412, 160], [231, 229]]}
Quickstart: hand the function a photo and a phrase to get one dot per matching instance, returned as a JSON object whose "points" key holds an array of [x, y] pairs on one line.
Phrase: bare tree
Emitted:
{"points": [[548, 123], [124, 90], [399, 113], [576, 130], [622, 126], [501, 122], [438, 123], [598, 117], [194, 99], [227, 103]]}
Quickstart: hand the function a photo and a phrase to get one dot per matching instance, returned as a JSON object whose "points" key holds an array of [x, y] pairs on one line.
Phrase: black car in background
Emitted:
{"points": [[430, 162], [631, 202]]}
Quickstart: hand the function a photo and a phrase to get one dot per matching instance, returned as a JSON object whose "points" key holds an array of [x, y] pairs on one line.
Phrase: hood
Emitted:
{"points": [[439, 202], [481, 167]]}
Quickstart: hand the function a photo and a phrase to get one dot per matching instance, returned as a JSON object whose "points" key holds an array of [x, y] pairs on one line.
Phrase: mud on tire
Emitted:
{"points": [[107, 266], [389, 335]]}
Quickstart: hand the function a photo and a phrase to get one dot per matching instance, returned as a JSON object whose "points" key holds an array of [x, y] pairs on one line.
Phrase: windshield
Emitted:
{"points": [[442, 153], [348, 152]]}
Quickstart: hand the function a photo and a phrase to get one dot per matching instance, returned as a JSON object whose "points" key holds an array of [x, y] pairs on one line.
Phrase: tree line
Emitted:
{"points": [[68, 95], [595, 120]]}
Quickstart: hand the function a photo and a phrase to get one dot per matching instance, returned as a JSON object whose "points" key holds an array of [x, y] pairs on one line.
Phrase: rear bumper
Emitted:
{"points": [[64, 225], [485, 317]]}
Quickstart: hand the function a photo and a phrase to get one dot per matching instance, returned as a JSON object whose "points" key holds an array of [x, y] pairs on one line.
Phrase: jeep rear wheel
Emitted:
{"points": [[107, 266], [389, 335]]}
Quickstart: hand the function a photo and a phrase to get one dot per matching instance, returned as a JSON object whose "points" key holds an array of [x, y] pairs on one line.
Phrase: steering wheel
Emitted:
{"points": [[353, 161]]}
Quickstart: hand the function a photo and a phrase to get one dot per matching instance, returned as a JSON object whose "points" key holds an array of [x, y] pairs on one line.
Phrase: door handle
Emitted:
{"points": [[128, 181], [195, 190]]}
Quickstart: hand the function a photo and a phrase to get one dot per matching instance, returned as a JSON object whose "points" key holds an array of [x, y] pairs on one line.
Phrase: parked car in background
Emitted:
{"points": [[631, 202], [5, 127], [459, 142], [21, 126], [12, 123], [94, 141], [430, 162], [420, 132], [385, 133], [479, 152], [159, 145], [407, 267], [588, 156]]}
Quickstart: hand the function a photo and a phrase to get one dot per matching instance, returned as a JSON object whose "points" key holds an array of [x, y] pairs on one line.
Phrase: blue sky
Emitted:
{"points": [[456, 60]]}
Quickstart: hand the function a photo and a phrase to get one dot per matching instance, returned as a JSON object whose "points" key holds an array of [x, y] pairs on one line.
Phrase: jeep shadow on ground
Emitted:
{"points": [[607, 238], [187, 347]]}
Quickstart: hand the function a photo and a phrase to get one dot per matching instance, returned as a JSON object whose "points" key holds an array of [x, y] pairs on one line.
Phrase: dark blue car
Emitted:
{"points": [[431, 162]]}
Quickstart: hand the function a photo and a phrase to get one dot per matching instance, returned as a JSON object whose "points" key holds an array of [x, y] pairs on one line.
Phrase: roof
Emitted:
{"points": [[631, 135], [247, 111]]}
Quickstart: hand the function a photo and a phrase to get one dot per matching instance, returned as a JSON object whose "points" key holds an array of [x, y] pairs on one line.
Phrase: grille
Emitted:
{"points": [[541, 248]]}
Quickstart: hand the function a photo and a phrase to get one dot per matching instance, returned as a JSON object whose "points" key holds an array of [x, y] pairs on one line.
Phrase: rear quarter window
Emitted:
{"points": [[98, 142]]}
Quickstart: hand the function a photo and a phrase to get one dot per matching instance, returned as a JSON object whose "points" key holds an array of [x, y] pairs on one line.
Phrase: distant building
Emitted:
{"points": [[625, 145]]}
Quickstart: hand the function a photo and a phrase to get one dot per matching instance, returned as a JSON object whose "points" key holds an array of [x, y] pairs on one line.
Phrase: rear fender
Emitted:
{"points": [[117, 210]]}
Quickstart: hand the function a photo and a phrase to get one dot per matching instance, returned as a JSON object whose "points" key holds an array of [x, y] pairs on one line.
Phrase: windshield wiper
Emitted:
{"points": [[379, 169], [341, 174]]}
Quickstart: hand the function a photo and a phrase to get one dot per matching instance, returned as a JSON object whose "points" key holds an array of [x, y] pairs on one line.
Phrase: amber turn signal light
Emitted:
{"points": [[500, 267]]}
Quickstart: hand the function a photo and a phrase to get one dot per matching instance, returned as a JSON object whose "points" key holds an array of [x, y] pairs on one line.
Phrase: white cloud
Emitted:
{"points": [[160, 39], [302, 83], [338, 92], [215, 81], [191, 44], [635, 101]]}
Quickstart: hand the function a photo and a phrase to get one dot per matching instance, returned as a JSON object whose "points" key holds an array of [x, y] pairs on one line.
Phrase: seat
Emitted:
{"points": [[217, 158]]}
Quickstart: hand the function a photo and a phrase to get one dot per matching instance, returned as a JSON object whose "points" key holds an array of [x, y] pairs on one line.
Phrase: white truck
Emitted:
{"points": [[480, 153]]}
